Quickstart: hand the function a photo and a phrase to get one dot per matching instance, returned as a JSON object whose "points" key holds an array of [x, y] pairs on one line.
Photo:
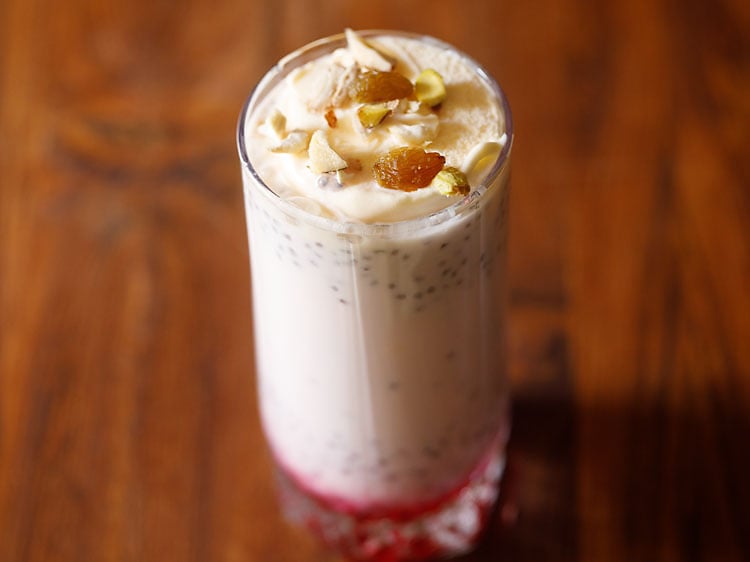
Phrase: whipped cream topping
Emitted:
{"points": [[332, 175]]}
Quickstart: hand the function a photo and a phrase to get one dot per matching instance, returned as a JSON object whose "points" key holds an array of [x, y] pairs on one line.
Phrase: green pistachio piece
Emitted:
{"points": [[430, 88], [371, 115], [451, 181]]}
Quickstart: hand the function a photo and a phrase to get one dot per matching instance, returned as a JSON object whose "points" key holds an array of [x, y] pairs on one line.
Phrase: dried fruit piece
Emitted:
{"points": [[322, 157], [371, 115], [331, 118], [295, 141], [407, 168], [364, 54], [377, 87], [430, 88], [451, 181]]}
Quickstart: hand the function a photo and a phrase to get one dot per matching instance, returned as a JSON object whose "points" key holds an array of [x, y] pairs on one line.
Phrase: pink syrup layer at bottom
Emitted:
{"points": [[441, 528]]}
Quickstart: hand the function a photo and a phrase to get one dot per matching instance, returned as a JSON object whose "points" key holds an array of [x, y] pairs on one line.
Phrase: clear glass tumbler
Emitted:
{"points": [[381, 358]]}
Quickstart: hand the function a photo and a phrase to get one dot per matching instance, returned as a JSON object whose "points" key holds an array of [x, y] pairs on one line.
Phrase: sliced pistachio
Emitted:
{"points": [[322, 157], [430, 88], [364, 54], [451, 181], [294, 142], [372, 114]]}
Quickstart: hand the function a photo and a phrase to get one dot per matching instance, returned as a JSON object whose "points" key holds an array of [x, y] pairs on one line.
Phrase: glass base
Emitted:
{"points": [[452, 528]]}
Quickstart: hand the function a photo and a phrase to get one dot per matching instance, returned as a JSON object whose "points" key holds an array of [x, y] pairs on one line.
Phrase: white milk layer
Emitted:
{"points": [[380, 360]]}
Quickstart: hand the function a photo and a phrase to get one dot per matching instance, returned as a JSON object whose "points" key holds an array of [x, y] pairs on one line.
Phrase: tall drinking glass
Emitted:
{"points": [[381, 356]]}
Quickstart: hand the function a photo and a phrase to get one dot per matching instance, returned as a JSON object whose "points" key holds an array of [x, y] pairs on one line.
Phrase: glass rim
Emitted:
{"points": [[354, 227]]}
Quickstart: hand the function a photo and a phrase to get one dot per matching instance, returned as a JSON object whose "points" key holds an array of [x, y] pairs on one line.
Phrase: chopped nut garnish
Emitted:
{"points": [[341, 94], [430, 88], [480, 152], [318, 90], [331, 118], [295, 141], [364, 54], [407, 168], [277, 123], [371, 115], [377, 87], [322, 157], [451, 181]]}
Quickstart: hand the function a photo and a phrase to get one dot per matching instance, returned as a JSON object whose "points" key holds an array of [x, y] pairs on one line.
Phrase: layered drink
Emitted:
{"points": [[375, 169]]}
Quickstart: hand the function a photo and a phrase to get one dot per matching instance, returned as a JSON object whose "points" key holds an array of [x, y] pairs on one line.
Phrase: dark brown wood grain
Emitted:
{"points": [[128, 424]]}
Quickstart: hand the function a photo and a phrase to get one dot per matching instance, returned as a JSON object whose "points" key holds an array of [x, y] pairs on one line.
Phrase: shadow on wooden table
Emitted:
{"points": [[638, 482], [536, 515]]}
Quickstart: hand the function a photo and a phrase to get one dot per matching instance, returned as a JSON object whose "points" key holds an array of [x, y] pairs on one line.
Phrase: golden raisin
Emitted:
{"points": [[407, 168], [376, 87]]}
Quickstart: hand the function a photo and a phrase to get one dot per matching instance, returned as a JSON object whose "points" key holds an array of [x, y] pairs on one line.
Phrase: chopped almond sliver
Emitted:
{"points": [[277, 123], [322, 157], [295, 141], [364, 54]]}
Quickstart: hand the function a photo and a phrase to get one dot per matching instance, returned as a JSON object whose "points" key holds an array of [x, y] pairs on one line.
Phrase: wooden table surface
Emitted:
{"points": [[128, 424]]}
